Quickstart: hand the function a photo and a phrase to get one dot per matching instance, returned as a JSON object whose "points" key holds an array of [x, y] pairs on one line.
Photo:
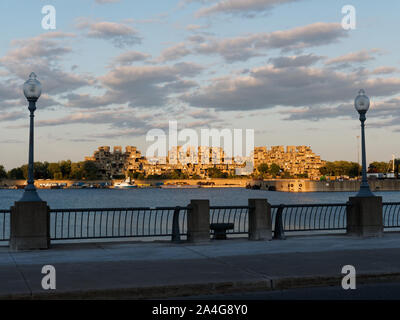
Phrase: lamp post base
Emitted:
{"points": [[364, 217], [365, 191], [30, 194], [30, 226]]}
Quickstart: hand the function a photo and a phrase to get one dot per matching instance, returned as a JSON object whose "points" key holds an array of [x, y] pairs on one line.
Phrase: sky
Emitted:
{"points": [[113, 70]]}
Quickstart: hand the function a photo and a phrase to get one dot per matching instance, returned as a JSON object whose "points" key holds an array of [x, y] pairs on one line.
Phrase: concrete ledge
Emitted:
{"points": [[195, 289], [149, 292], [318, 281]]}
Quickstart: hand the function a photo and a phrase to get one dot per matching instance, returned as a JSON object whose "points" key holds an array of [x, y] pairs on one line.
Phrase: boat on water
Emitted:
{"points": [[127, 184]]}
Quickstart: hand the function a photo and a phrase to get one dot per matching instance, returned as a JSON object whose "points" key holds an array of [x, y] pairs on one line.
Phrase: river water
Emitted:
{"points": [[111, 198]]}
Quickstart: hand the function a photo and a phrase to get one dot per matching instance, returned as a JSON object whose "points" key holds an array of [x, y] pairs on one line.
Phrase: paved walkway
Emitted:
{"points": [[156, 270]]}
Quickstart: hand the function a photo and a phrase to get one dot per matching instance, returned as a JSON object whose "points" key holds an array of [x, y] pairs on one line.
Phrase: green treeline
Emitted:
{"points": [[341, 168], [57, 170]]}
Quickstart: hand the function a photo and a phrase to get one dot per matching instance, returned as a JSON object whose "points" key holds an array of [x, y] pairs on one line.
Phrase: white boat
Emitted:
{"points": [[127, 184]]}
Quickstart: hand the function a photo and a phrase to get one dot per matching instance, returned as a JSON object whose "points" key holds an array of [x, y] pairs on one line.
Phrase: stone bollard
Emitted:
{"points": [[198, 221], [30, 226], [365, 217], [260, 222]]}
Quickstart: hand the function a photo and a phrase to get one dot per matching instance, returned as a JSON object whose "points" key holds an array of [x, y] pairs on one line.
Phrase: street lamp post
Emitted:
{"points": [[361, 104], [32, 91]]}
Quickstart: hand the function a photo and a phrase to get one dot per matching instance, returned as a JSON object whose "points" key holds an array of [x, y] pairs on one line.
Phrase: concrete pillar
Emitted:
{"points": [[30, 226], [260, 222], [198, 221], [365, 217]]}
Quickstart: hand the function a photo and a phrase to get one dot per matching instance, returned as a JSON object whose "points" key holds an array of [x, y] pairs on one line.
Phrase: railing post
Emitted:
{"points": [[198, 221], [30, 226], [365, 217], [176, 234], [260, 225], [279, 232]]}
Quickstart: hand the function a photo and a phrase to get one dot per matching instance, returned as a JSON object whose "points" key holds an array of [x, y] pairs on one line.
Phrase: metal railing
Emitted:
{"points": [[308, 217], [4, 225], [69, 224], [286, 218], [238, 215], [391, 215], [101, 223]]}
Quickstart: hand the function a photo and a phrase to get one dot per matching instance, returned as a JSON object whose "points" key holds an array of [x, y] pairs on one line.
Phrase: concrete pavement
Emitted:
{"points": [[162, 269]]}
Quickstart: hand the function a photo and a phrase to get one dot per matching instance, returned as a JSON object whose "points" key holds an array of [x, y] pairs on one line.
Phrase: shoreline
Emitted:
{"points": [[278, 185]]}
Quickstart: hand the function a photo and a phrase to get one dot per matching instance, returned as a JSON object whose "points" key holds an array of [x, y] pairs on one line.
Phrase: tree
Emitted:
{"points": [[263, 168], [55, 171], [216, 173], [396, 167], [40, 170], [274, 169], [76, 171], [340, 168], [3, 173], [287, 175], [65, 167], [16, 174], [376, 166], [90, 170]]}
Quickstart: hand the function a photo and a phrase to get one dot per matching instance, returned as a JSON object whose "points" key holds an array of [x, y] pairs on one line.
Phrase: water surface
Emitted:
{"points": [[106, 198]]}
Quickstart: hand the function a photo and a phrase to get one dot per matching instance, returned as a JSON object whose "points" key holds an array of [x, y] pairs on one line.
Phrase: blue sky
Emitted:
{"points": [[113, 70]]}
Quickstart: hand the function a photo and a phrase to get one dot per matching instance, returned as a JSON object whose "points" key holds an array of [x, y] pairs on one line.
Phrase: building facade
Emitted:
{"points": [[199, 161], [296, 160]]}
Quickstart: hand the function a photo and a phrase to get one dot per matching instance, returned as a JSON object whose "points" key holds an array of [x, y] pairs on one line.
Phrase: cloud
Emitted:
{"points": [[121, 35], [86, 101], [245, 47], [139, 86], [384, 70], [42, 54], [266, 87], [295, 61], [386, 109], [174, 53], [12, 116], [131, 56], [354, 57], [241, 7], [195, 27], [106, 1]]}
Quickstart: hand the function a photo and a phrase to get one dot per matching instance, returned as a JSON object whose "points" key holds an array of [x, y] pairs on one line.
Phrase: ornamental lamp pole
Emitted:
{"points": [[361, 104], [32, 91]]}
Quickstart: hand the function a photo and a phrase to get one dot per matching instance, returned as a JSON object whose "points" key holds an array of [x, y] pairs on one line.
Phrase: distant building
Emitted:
{"points": [[296, 160], [197, 161]]}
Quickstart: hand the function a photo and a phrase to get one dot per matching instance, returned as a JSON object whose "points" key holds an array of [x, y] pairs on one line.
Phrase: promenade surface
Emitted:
{"points": [[157, 270]]}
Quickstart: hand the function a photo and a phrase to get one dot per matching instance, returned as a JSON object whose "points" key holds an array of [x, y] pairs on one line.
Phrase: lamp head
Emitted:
{"points": [[32, 88], [361, 103]]}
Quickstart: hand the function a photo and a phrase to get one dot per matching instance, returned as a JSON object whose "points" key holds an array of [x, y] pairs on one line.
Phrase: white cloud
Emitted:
{"points": [[127, 58], [354, 57], [242, 7], [121, 35], [245, 47], [268, 87]]}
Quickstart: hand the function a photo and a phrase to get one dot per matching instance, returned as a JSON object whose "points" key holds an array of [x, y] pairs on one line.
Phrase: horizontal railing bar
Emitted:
{"points": [[117, 209], [310, 205], [229, 207]]}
